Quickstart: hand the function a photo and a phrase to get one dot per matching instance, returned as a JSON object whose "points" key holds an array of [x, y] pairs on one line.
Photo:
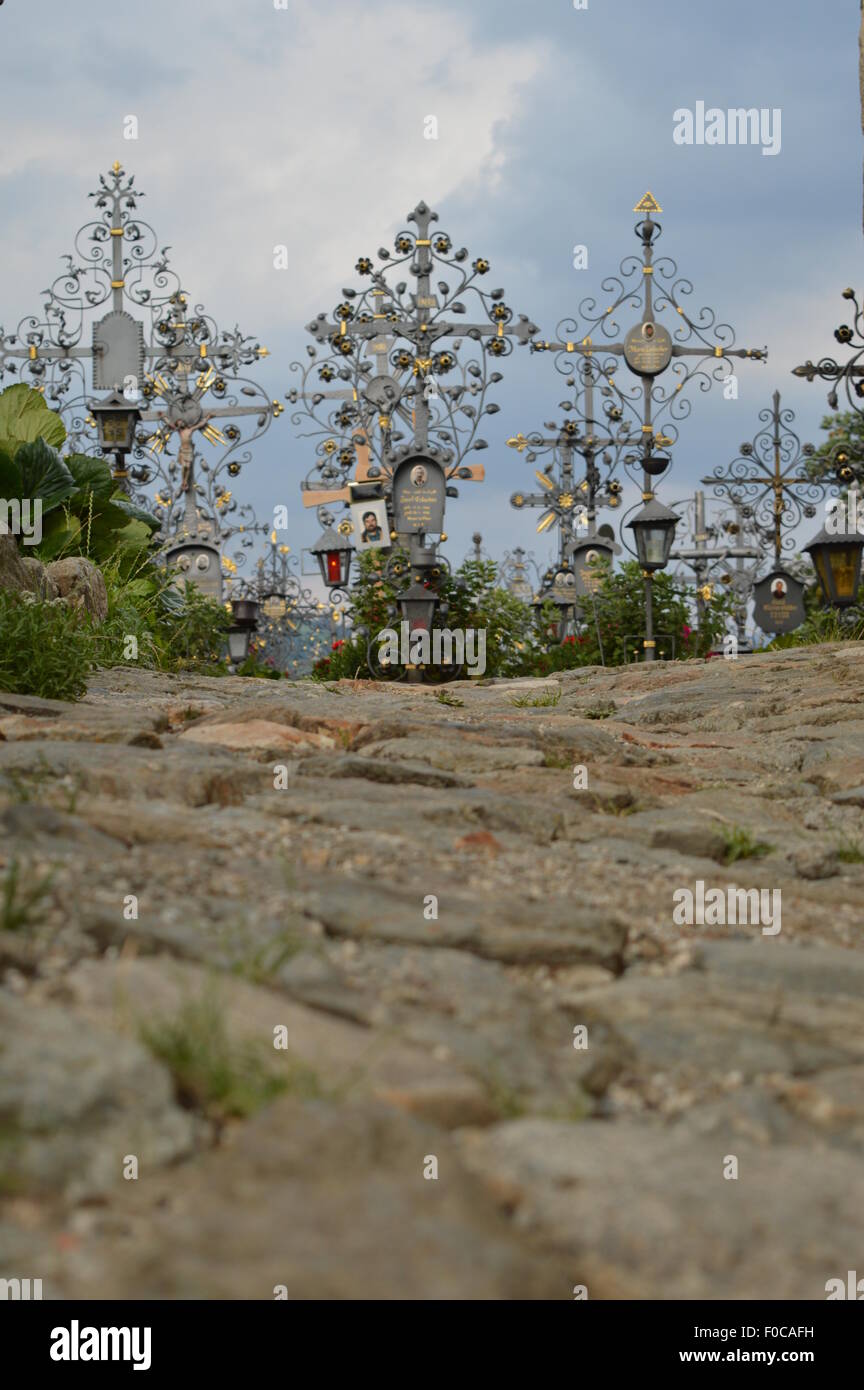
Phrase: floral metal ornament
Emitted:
{"points": [[185, 375], [695, 349], [399, 361], [570, 502], [294, 627], [770, 478], [844, 465], [850, 373]]}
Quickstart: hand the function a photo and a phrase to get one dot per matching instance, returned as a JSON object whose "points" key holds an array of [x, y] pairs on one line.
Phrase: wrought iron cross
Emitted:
{"points": [[770, 478], [560, 498], [423, 329], [649, 349]]}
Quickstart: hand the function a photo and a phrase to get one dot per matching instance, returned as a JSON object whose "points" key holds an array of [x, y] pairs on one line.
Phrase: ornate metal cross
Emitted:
{"points": [[183, 360], [648, 349], [770, 478], [405, 381], [564, 499]]}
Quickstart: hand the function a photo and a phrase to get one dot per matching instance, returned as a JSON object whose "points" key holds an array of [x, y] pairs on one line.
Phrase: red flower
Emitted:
{"points": [[337, 644], [685, 631]]}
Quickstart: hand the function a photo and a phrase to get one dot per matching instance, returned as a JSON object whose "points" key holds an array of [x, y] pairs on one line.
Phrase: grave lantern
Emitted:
{"points": [[654, 530], [333, 553]]}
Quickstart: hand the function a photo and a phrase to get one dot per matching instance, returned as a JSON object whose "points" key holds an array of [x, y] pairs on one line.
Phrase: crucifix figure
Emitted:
{"points": [[186, 452]]}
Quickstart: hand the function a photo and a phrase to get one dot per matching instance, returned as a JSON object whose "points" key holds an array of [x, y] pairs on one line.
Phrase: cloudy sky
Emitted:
{"points": [[303, 126]]}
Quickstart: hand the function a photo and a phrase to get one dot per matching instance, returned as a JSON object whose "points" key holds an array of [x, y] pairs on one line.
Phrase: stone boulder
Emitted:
{"points": [[14, 574], [80, 582], [39, 580]]}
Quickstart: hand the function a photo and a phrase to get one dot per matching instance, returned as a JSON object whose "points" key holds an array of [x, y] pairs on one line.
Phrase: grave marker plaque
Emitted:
{"points": [[778, 602], [118, 351], [648, 349], [419, 494]]}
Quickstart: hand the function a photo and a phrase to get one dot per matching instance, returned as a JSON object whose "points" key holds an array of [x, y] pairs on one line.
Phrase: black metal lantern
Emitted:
{"points": [[556, 627], [654, 530], [116, 420], [837, 562], [244, 620], [333, 553], [417, 606]]}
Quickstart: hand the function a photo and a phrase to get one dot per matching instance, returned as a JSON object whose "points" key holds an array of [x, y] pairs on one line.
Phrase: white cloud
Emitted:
{"points": [[262, 127]]}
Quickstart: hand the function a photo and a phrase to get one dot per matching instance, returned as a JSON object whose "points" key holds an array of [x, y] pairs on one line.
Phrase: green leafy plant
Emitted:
{"points": [[848, 850], [20, 905], [175, 629], [46, 649], [542, 701], [518, 641], [821, 625], [213, 1073], [741, 844], [83, 511], [604, 709], [615, 621]]}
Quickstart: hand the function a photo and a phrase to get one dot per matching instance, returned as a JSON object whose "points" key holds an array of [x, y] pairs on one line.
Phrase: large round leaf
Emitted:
{"points": [[110, 531], [10, 477], [137, 513], [25, 416], [61, 536], [91, 474], [44, 475]]}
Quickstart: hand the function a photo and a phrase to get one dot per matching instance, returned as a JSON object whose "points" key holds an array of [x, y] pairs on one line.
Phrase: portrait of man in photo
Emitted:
{"points": [[371, 528]]}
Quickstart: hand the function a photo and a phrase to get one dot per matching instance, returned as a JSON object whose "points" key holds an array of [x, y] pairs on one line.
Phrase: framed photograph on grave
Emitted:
{"points": [[371, 528]]}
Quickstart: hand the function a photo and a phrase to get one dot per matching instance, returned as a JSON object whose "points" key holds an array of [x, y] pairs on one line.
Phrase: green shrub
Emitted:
{"points": [[46, 649], [174, 629], [518, 643], [83, 510], [821, 625]]}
